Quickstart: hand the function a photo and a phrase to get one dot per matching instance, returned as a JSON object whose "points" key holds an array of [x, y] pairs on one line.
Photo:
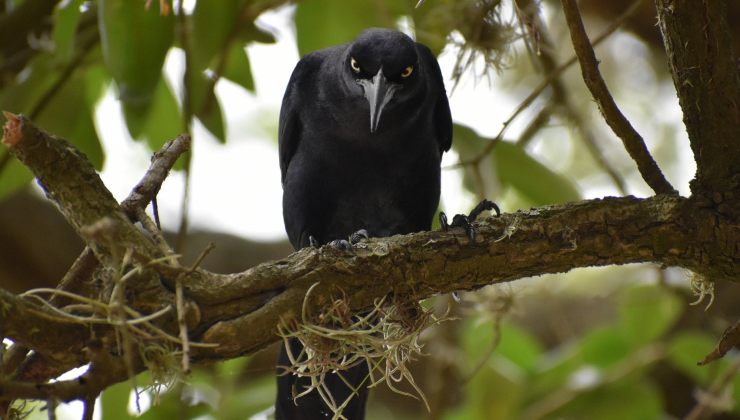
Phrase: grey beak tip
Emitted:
{"points": [[378, 92]]}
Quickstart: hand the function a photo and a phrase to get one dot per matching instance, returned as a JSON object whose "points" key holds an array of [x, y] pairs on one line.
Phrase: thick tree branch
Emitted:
{"points": [[705, 72], [35, 327], [631, 139], [71, 181], [77, 279], [104, 371], [546, 240]]}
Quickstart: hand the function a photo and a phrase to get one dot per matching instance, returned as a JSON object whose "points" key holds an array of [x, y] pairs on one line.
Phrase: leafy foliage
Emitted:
{"points": [[611, 366]]}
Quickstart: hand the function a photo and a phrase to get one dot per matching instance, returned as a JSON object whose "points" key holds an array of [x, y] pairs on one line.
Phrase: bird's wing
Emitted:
{"points": [[442, 116], [289, 131]]}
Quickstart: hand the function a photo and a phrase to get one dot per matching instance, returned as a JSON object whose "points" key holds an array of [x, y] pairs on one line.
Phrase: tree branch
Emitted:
{"points": [[70, 180], [240, 312], [537, 91], [77, 279], [104, 371], [705, 72], [631, 139], [162, 162], [35, 327]]}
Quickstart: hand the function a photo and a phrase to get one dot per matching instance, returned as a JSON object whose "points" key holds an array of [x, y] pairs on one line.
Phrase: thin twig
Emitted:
{"points": [[631, 139], [117, 315], [541, 88], [183, 326], [564, 395], [534, 126], [703, 409], [87, 414], [528, 11], [146, 190], [180, 302], [69, 69], [51, 408], [162, 162], [187, 121], [730, 339]]}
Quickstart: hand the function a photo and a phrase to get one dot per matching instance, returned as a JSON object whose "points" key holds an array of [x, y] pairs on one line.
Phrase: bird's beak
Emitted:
{"points": [[378, 92]]}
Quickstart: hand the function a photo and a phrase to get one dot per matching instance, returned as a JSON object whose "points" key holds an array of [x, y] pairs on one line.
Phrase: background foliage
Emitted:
{"points": [[616, 343]]}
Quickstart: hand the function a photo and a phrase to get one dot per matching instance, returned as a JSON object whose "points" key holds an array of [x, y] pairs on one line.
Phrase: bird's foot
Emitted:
{"points": [[341, 244], [312, 242], [358, 236], [466, 222], [354, 238]]}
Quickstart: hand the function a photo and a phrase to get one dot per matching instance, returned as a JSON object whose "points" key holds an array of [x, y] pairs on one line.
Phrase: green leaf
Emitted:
{"points": [[466, 141], [114, 402], [324, 23], [533, 180], [135, 42], [97, 81], [213, 22], [481, 402], [468, 144], [646, 313], [23, 97], [519, 347], [206, 106], [476, 339], [171, 406], [13, 176], [66, 17], [237, 67], [248, 399], [493, 395], [554, 372], [158, 122], [233, 367], [634, 400], [603, 347], [687, 349], [250, 32], [70, 115]]}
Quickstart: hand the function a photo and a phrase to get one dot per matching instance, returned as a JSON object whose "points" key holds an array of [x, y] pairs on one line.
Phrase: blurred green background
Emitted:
{"points": [[607, 343]]}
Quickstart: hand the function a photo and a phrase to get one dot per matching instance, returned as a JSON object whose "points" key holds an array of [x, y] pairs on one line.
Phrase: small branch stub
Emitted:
{"points": [[12, 129]]}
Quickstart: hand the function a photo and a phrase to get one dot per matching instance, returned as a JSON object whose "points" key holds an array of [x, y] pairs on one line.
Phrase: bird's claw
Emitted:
{"points": [[443, 221], [481, 207], [341, 244], [466, 222], [358, 236], [354, 238]]}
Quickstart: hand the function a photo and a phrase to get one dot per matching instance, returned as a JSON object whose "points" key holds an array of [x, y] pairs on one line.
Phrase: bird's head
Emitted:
{"points": [[384, 63]]}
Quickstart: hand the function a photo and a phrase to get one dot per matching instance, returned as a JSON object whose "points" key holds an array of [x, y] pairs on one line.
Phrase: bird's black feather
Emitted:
{"points": [[339, 175]]}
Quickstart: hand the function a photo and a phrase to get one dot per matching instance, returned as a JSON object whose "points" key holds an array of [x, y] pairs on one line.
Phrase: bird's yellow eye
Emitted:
{"points": [[354, 64], [407, 71]]}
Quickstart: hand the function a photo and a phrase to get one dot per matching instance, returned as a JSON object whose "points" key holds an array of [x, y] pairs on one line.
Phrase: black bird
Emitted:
{"points": [[362, 130]]}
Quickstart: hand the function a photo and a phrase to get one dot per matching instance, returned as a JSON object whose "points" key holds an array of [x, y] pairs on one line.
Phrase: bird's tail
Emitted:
{"points": [[311, 406]]}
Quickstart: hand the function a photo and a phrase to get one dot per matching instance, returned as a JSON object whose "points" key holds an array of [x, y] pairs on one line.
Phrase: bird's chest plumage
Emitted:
{"points": [[386, 182]]}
